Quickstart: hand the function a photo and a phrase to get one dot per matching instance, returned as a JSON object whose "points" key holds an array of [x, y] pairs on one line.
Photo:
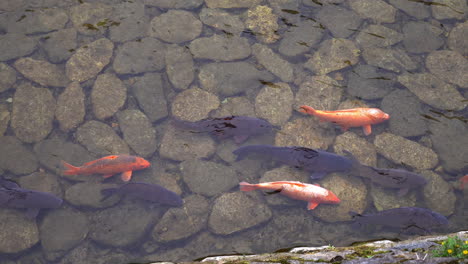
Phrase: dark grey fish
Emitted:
{"points": [[31, 200], [405, 218], [318, 162], [149, 192], [239, 127], [393, 178]]}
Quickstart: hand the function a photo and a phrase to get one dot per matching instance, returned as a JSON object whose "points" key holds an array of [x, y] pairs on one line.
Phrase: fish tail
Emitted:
{"points": [[107, 192], [69, 169], [243, 151], [247, 187], [307, 110]]}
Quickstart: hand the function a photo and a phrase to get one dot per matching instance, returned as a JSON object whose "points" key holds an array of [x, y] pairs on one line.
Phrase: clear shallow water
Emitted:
{"points": [[191, 61]]}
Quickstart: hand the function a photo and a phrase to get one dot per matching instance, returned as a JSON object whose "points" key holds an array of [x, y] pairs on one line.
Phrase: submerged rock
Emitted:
{"points": [[457, 40], [449, 9], [15, 45], [319, 92], [7, 77], [415, 9], [139, 56], [390, 59], [271, 99], [367, 82], [263, 23], [175, 26], [15, 157], [194, 104], [220, 48], [100, 139], [60, 44], [222, 20], [42, 72], [86, 16], [149, 92], [70, 109], [339, 20], [137, 132], [376, 10], [421, 37], [300, 39], [449, 66], [305, 132], [231, 3], [438, 194], [179, 66], [12, 223], [360, 148], [108, 95], [378, 36]]}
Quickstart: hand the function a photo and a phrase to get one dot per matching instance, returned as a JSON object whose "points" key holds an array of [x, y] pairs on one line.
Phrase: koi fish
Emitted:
{"points": [[312, 193], [14, 196], [145, 191], [347, 118], [238, 127], [109, 166], [318, 162], [405, 218], [463, 181]]}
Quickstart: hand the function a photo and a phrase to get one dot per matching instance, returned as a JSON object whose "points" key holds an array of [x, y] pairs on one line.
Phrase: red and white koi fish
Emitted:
{"points": [[109, 166], [312, 193], [347, 118]]}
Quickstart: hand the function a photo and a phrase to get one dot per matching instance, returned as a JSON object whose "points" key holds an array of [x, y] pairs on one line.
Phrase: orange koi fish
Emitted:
{"points": [[347, 118], [109, 166], [312, 193], [463, 181]]}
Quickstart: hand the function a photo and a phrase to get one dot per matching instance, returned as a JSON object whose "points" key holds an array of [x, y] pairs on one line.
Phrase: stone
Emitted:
{"points": [[234, 212], [179, 66], [175, 26], [300, 39], [169, 4], [390, 59], [274, 103], [60, 44], [42, 72], [140, 56], [149, 92], [405, 111], [457, 40], [33, 113], [361, 149], [194, 104], [108, 95], [384, 199], [180, 223], [367, 82], [333, 54], [305, 132], [231, 3], [182, 145], [62, 229], [232, 78], [319, 92], [235, 106], [39, 21], [404, 151], [376, 10], [138, 132], [70, 109], [273, 62], [7, 77], [222, 20], [87, 16], [378, 36], [339, 20], [88, 194], [15, 45], [5, 118], [414, 9], [449, 9], [351, 192], [438, 194], [89, 60], [220, 48], [433, 91], [449, 66], [17, 232], [15, 157], [208, 178], [43, 182], [132, 22], [100, 139], [421, 37], [263, 23]]}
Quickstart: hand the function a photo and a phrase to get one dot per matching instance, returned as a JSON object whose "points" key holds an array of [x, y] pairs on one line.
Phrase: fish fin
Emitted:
{"points": [[311, 205], [126, 175], [105, 176], [31, 213], [318, 175], [70, 169], [247, 187], [307, 109], [367, 129], [107, 192], [241, 138], [274, 192], [402, 192]]}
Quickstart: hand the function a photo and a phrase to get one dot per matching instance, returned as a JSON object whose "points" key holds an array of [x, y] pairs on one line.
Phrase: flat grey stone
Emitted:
{"points": [[149, 92], [175, 26], [33, 113], [438, 194], [179, 66], [100, 139], [450, 9], [138, 132], [273, 62], [449, 66], [415, 9], [421, 37], [319, 92], [169, 4], [457, 40], [231, 3], [13, 222], [339, 20], [86, 16], [15, 157], [233, 212], [385, 198], [376, 10], [333, 54], [231, 78], [367, 83], [140, 56], [262, 22], [42, 72], [378, 36], [235, 106], [108, 95], [4, 118], [15, 45], [60, 45], [275, 103], [70, 109], [43, 182], [361, 149], [194, 104], [220, 48], [390, 59], [88, 194], [318, 136], [222, 20], [301, 38], [404, 151], [7, 77], [89, 60], [39, 21]]}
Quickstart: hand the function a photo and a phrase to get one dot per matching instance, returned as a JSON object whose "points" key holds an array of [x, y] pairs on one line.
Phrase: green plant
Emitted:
{"points": [[452, 247]]}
